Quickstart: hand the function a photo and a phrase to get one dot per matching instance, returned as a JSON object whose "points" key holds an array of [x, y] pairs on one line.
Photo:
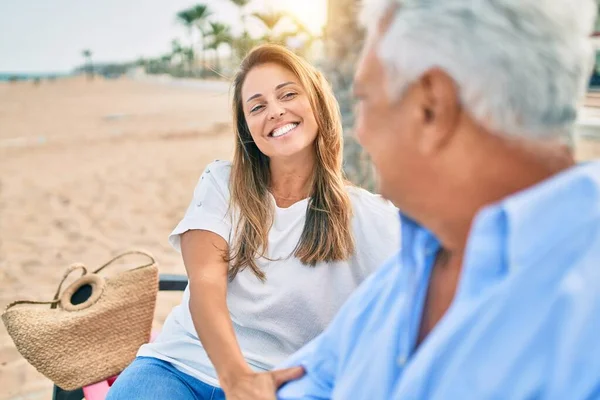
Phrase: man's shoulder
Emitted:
{"points": [[555, 223], [576, 249], [579, 256]]}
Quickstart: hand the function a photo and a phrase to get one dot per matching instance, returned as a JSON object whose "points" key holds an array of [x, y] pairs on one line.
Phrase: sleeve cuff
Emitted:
{"points": [[205, 222], [319, 366]]}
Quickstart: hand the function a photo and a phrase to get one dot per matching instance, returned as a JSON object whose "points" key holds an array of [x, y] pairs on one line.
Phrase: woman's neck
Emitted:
{"points": [[291, 178]]}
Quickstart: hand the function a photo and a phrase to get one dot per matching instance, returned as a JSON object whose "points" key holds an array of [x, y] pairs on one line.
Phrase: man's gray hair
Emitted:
{"points": [[521, 65]]}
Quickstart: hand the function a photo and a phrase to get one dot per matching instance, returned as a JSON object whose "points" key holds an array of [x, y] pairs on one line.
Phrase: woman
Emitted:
{"points": [[273, 243]]}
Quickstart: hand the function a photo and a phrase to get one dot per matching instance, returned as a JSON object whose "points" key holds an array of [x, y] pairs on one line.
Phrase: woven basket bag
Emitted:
{"points": [[75, 345]]}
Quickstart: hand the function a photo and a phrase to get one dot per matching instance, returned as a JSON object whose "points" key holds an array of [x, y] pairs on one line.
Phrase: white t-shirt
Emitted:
{"points": [[275, 318]]}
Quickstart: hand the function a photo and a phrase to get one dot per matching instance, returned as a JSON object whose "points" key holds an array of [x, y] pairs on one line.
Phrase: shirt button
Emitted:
{"points": [[401, 360], [199, 204]]}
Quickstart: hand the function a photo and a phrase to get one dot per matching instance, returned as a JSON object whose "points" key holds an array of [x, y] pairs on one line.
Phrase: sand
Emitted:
{"points": [[90, 169]]}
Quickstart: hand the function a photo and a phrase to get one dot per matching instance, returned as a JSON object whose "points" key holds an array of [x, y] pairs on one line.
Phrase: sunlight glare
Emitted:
{"points": [[312, 13]]}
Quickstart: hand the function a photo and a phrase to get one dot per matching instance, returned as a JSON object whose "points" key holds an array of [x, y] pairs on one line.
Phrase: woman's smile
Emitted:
{"points": [[284, 130]]}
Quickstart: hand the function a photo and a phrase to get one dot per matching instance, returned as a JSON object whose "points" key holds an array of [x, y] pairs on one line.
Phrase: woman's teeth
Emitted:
{"points": [[283, 130]]}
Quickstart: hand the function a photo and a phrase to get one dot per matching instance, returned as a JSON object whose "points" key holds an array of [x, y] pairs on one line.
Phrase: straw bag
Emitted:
{"points": [[75, 345]]}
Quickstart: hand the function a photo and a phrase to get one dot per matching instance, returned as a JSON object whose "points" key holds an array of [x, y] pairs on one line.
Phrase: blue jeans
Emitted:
{"points": [[151, 378]]}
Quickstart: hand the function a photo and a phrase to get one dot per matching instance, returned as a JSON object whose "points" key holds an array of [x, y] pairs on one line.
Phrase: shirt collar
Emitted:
{"points": [[417, 242], [536, 218], [540, 217]]}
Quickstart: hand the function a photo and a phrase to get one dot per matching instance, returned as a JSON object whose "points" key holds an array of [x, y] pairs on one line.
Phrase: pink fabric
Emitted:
{"points": [[96, 391]]}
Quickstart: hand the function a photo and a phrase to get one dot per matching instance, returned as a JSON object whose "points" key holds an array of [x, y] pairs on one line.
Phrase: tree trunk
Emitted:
{"points": [[190, 61], [343, 42], [90, 69], [202, 55]]}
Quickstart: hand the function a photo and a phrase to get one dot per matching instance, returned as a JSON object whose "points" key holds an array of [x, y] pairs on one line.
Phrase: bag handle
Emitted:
{"points": [[74, 267], [128, 253], [55, 300]]}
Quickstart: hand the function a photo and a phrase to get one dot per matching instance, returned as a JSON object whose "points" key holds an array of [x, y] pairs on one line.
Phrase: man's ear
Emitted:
{"points": [[440, 109]]}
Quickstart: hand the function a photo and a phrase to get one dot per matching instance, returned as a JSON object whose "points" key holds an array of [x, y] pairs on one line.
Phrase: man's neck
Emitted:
{"points": [[499, 168], [496, 172]]}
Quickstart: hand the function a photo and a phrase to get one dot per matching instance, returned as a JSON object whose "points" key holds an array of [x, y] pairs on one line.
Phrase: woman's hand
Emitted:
{"points": [[260, 386]]}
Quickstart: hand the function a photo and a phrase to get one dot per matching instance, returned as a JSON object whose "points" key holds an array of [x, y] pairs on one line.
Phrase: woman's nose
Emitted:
{"points": [[276, 112]]}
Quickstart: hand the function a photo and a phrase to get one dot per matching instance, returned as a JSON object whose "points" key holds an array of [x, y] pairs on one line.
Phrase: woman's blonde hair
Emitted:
{"points": [[327, 234]]}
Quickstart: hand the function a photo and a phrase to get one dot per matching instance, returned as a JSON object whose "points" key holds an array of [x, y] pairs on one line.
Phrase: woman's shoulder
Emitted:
{"points": [[215, 176], [365, 202], [376, 226], [221, 167], [219, 170]]}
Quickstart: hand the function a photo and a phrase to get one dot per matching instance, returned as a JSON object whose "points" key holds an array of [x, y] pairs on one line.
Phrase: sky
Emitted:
{"points": [[48, 36]]}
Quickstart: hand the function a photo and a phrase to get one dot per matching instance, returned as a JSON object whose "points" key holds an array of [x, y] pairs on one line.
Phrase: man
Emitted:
{"points": [[465, 107]]}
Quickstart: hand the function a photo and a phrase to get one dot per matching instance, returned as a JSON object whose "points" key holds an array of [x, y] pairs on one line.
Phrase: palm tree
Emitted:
{"points": [[219, 34], [87, 54], [189, 55], [177, 53], [166, 61], [241, 5], [343, 41], [200, 12], [242, 43], [595, 79], [186, 18], [195, 17], [176, 47], [300, 26], [270, 20]]}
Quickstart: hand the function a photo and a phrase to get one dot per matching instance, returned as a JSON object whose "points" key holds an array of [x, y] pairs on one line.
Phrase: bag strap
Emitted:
{"points": [[128, 253], [53, 303], [74, 267]]}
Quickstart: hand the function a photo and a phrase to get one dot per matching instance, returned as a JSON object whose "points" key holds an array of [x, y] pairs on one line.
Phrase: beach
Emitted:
{"points": [[89, 169], [92, 169]]}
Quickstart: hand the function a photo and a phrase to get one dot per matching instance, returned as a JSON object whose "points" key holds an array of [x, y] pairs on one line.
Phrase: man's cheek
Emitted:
{"points": [[359, 130], [360, 139]]}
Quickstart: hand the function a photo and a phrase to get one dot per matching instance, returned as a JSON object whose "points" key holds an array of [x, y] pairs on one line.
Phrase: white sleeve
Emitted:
{"points": [[209, 208], [377, 232]]}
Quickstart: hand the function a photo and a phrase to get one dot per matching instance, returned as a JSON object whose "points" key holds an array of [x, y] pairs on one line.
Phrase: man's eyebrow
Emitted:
{"points": [[284, 84]]}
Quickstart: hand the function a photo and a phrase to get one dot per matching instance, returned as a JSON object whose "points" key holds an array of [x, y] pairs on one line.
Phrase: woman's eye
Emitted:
{"points": [[290, 95], [256, 108]]}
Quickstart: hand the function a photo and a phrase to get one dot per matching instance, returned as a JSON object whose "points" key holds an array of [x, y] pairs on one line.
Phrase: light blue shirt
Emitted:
{"points": [[524, 323]]}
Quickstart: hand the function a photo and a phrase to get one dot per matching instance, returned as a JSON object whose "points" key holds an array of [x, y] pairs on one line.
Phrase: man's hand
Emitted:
{"points": [[261, 386]]}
